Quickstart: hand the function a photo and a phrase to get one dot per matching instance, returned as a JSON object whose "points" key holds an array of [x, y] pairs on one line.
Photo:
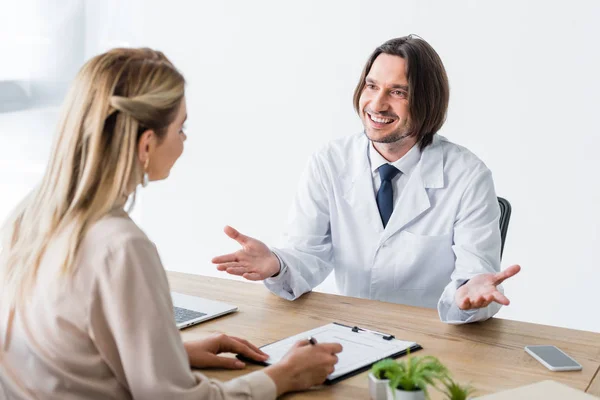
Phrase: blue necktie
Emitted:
{"points": [[385, 195]]}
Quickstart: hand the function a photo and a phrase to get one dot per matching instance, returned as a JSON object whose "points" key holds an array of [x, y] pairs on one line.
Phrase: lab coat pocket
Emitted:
{"points": [[422, 262]]}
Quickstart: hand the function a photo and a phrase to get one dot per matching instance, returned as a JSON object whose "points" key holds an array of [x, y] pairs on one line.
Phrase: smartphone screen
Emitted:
{"points": [[553, 356]]}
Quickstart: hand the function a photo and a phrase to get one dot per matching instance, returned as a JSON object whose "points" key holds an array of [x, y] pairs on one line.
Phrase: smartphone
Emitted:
{"points": [[553, 358]]}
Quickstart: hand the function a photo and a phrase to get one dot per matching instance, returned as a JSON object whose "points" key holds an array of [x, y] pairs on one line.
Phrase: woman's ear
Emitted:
{"points": [[146, 146]]}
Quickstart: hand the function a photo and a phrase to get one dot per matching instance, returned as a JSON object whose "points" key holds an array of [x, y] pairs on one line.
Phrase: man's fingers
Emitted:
{"points": [[227, 265], [500, 298], [507, 273], [477, 302], [484, 300], [224, 258], [235, 235], [239, 271], [464, 304], [252, 276]]}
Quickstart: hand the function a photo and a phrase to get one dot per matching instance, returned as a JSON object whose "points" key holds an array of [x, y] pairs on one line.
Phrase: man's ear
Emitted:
{"points": [[146, 145]]}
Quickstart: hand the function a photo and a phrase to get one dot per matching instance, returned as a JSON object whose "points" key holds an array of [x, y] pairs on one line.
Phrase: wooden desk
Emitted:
{"points": [[489, 355]]}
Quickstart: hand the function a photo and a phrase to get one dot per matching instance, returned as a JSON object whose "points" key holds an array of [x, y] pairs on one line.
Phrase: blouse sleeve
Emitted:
{"points": [[132, 325]]}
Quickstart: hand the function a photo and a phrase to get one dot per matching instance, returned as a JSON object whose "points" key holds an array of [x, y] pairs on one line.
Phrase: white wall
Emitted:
{"points": [[271, 81], [41, 49]]}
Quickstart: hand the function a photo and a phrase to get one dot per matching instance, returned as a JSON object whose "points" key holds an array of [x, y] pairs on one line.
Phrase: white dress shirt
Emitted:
{"points": [[406, 164]]}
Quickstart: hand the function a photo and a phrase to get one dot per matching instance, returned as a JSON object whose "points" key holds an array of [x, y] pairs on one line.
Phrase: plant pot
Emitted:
{"points": [[397, 394], [378, 388]]}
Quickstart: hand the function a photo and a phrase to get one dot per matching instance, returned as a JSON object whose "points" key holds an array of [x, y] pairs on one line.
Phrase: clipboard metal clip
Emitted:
{"points": [[385, 336]]}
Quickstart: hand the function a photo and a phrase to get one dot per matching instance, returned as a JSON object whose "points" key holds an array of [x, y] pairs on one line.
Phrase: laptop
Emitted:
{"points": [[191, 310]]}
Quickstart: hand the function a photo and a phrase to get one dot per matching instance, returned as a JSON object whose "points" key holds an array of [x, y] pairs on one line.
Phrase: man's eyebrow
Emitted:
{"points": [[403, 87]]}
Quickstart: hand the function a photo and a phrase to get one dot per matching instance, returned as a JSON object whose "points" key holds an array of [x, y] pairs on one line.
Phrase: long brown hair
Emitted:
{"points": [[428, 88], [94, 164]]}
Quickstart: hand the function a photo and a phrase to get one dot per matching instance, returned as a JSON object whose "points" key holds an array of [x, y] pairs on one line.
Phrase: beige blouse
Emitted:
{"points": [[108, 330]]}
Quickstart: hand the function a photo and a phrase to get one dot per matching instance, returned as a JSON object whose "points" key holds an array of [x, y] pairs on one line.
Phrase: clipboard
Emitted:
{"points": [[362, 348]]}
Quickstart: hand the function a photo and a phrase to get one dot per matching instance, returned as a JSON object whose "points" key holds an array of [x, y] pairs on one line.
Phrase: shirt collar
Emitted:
{"points": [[405, 164]]}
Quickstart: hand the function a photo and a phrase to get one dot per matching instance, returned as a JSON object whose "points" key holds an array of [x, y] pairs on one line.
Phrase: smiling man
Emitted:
{"points": [[400, 213]]}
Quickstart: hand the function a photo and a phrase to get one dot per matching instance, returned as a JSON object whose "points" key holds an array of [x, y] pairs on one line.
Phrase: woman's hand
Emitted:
{"points": [[304, 366], [203, 353]]}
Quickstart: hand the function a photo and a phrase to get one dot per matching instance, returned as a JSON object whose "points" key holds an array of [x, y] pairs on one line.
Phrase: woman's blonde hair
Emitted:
{"points": [[94, 163]]}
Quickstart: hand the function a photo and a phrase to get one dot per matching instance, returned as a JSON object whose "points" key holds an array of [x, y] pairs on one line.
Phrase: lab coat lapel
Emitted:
{"points": [[358, 187], [413, 202], [414, 199]]}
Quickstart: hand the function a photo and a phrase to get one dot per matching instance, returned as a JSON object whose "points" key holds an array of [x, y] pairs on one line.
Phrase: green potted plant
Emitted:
{"points": [[455, 391], [379, 378], [414, 375]]}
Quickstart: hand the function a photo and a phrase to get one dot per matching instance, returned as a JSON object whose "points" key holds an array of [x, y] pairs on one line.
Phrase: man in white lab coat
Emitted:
{"points": [[398, 212]]}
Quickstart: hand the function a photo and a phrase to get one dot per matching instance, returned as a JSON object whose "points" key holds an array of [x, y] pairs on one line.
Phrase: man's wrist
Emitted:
{"points": [[280, 262]]}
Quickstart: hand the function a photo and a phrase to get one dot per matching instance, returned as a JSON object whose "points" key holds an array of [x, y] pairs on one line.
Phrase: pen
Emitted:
{"points": [[312, 340], [385, 335]]}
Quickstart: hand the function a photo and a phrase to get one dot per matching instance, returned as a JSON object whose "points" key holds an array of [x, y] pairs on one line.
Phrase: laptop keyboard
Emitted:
{"points": [[183, 314]]}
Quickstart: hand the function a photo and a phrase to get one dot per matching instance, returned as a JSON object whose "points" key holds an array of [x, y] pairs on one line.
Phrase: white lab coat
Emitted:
{"points": [[443, 231]]}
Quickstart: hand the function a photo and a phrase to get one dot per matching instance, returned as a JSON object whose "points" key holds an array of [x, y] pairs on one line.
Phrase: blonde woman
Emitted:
{"points": [[85, 307]]}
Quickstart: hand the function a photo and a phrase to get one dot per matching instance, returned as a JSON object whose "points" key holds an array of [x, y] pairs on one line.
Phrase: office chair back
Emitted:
{"points": [[505, 210]]}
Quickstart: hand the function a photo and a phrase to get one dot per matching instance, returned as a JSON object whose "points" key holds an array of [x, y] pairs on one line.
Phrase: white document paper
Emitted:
{"points": [[360, 348]]}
